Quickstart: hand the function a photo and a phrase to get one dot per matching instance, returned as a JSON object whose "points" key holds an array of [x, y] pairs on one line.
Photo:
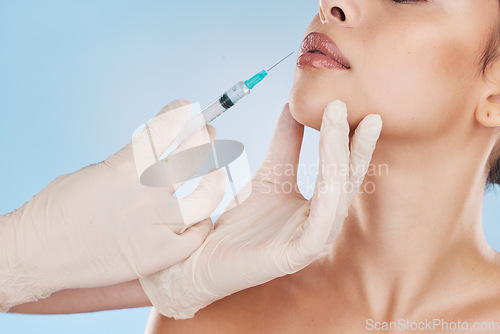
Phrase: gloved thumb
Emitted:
{"points": [[153, 138], [160, 132]]}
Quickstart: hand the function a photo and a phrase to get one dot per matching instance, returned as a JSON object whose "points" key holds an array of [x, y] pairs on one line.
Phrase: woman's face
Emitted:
{"points": [[417, 63]]}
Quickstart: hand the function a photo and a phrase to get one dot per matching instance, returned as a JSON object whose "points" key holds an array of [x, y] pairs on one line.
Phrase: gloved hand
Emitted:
{"points": [[275, 231], [101, 226]]}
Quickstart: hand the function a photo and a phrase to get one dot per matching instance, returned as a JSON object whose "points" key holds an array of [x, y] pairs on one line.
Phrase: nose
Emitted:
{"points": [[343, 12]]}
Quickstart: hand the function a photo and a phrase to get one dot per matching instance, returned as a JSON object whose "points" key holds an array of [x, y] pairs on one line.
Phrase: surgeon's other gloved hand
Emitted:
{"points": [[101, 226], [275, 231]]}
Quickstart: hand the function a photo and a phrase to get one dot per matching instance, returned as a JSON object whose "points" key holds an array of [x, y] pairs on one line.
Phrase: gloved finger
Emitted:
{"points": [[282, 157], [191, 154], [332, 176], [363, 145], [205, 199], [190, 240], [178, 247], [158, 134]]}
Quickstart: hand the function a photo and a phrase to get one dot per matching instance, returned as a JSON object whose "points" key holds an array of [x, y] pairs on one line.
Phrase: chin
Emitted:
{"points": [[305, 112], [311, 93], [306, 107]]}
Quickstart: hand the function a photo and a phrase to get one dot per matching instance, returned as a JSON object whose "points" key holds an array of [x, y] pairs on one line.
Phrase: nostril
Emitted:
{"points": [[338, 13]]}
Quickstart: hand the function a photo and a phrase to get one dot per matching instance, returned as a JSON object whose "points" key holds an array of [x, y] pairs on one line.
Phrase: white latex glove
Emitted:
{"points": [[101, 226], [276, 231]]}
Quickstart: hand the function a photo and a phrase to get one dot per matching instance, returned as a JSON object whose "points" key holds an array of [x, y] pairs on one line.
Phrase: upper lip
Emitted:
{"points": [[316, 41]]}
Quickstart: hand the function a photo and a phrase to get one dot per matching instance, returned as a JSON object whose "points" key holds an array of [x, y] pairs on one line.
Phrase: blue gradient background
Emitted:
{"points": [[78, 77]]}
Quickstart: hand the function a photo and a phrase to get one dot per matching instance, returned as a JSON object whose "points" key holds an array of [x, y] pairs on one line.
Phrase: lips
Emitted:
{"points": [[319, 51]]}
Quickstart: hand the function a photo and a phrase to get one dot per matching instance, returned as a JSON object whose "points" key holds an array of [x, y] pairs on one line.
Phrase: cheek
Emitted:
{"points": [[421, 81], [424, 86]]}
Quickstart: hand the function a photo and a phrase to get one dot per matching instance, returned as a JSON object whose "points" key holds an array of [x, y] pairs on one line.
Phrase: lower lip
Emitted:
{"points": [[317, 60]]}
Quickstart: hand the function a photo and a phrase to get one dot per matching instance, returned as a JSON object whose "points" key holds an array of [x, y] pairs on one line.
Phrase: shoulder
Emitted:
{"points": [[482, 303], [253, 309]]}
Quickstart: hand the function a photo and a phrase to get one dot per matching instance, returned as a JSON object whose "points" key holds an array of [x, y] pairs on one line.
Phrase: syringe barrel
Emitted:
{"points": [[214, 110], [232, 96]]}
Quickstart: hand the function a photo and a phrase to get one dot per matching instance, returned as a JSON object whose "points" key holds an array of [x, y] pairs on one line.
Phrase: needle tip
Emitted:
{"points": [[280, 61]]}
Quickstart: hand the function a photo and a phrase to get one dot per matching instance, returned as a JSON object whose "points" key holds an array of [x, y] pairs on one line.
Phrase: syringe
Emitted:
{"points": [[223, 103]]}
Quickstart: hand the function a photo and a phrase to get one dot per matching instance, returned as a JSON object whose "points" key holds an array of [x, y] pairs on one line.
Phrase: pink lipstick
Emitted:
{"points": [[319, 51]]}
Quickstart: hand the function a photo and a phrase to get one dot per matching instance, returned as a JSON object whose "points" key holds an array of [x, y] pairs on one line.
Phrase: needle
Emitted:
{"points": [[280, 61]]}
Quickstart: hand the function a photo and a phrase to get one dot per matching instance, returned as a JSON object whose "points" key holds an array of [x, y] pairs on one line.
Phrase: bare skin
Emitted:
{"points": [[118, 296], [308, 302], [414, 248]]}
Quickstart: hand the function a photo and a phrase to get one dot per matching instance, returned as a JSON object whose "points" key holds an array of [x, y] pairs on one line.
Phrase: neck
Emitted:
{"points": [[415, 224]]}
